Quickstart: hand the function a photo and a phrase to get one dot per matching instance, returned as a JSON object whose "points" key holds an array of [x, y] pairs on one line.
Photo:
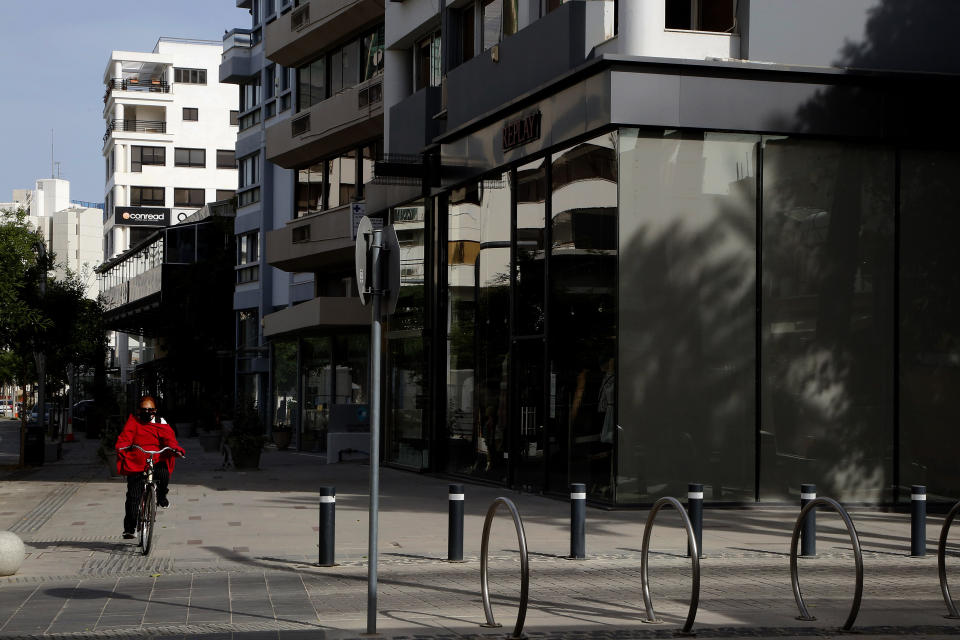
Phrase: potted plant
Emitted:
{"points": [[282, 434], [246, 438]]}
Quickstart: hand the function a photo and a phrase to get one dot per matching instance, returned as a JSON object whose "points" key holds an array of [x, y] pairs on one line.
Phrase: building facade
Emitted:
{"points": [[691, 245], [319, 376], [168, 149]]}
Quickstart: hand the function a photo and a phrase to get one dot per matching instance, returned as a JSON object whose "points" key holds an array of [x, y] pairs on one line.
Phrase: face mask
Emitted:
{"points": [[146, 415]]}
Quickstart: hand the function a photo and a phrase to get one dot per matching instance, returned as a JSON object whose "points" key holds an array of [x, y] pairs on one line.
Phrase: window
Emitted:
{"points": [[249, 170], [248, 197], [250, 119], [189, 157], [190, 76], [499, 20], [248, 248], [191, 114], [309, 194], [249, 94], [467, 29], [270, 82], [147, 196], [140, 156], [188, 197], [225, 194], [372, 49], [701, 15], [234, 117], [247, 328], [226, 159], [427, 66], [311, 84], [344, 67]]}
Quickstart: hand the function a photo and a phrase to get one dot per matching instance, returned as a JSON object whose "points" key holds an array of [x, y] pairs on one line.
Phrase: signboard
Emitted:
{"points": [[363, 232], [358, 211], [142, 216], [392, 245], [521, 131]]}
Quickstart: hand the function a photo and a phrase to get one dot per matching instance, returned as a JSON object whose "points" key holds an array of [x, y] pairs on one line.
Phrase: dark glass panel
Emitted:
{"points": [[827, 320], [531, 194], [316, 374], [285, 400]]}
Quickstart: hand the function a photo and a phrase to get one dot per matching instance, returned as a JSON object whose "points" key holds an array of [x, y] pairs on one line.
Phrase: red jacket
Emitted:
{"points": [[152, 436]]}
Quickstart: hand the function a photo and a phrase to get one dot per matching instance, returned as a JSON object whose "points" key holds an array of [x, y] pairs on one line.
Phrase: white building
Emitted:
{"points": [[171, 128], [72, 229]]}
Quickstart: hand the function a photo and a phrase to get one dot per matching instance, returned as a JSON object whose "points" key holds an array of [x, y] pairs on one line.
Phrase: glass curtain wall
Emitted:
{"points": [[827, 376], [317, 384], [687, 310], [406, 437], [285, 397], [582, 318], [929, 323]]}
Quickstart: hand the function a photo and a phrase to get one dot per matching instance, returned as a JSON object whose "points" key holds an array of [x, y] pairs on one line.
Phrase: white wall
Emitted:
{"points": [[642, 32]]}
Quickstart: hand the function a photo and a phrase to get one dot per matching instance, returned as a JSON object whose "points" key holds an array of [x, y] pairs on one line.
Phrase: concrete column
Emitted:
{"points": [[641, 22], [117, 69], [397, 85]]}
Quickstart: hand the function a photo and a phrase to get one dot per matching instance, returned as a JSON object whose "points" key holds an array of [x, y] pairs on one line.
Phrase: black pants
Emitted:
{"points": [[161, 476]]}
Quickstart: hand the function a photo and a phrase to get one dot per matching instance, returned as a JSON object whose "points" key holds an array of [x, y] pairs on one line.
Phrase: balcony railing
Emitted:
{"points": [[140, 126], [237, 38], [152, 85]]}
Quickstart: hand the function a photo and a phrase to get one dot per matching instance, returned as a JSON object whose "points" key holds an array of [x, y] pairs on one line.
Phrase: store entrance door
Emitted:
{"points": [[529, 427]]}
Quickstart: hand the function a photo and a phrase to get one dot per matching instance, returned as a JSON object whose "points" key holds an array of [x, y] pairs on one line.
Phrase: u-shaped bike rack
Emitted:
{"points": [[524, 566], [694, 558], [857, 553], [952, 612]]}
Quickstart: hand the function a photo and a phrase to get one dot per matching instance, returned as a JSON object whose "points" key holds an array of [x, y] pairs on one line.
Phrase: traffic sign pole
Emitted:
{"points": [[376, 279]]}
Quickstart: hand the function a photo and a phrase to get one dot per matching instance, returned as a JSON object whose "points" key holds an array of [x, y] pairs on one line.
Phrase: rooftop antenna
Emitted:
{"points": [[58, 169], [51, 155]]}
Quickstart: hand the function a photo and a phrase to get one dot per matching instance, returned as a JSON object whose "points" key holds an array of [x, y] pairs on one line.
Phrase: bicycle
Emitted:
{"points": [[147, 509]]}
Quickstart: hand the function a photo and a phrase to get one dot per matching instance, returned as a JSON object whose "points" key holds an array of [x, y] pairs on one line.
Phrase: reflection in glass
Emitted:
{"points": [[315, 371], [827, 317], [406, 436], [343, 179], [929, 322], [531, 195], [285, 401], [309, 189], [583, 322], [687, 308]]}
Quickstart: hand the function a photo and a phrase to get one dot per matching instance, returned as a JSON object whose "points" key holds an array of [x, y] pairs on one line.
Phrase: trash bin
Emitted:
{"points": [[33, 445]]}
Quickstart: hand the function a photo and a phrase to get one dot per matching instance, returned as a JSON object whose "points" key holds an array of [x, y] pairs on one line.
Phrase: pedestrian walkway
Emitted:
{"points": [[236, 557]]}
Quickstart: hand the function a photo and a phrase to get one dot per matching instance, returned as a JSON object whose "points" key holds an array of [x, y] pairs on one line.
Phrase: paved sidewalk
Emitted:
{"points": [[235, 558]]}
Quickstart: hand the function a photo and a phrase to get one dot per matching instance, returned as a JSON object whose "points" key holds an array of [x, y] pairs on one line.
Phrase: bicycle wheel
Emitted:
{"points": [[148, 518]]}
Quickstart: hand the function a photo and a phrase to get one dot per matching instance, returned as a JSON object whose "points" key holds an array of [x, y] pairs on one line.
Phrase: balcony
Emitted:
{"points": [[484, 83], [412, 122], [152, 85], [135, 126], [313, 242], [236, 63], [318, 312], [348, 118], [297, 36]]}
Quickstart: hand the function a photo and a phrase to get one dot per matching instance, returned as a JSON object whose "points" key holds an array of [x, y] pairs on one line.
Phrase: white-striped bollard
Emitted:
{"points": [[578, 521], [918, 521], [455, 523], [695, 512], [327, 528], [808, 534]]}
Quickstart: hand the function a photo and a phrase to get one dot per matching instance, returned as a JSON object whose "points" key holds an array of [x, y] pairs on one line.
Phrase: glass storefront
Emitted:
{"points": [[648, 308]]}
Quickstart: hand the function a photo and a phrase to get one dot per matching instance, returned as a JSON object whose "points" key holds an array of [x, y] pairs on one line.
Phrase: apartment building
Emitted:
{"points": [[169, 142], [327, 145], [265, 197], [168, 149], [73, 229]]}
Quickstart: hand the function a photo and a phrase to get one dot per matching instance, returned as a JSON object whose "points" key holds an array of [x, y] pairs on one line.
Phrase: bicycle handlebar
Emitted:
{"points": [[153, 453]]}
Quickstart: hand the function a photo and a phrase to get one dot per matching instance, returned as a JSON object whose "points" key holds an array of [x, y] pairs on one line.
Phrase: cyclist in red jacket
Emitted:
{"points": [[153, 434]]}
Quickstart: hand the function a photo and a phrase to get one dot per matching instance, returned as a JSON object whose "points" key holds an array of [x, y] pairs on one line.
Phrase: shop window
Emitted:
{"points": [[701, 15]]}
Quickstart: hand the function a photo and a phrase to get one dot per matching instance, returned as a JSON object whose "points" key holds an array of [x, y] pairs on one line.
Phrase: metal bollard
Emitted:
{"points": [[327, 529], [455, 523], [578, 519], [918, 521], [808, 536], [695, 511]]}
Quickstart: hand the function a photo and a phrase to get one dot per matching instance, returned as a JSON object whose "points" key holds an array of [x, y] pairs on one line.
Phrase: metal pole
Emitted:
{"points": [[328, 515], [918, 521], [578, 521], [808, 539], [375, 330], [455, 523], [695, 511]]}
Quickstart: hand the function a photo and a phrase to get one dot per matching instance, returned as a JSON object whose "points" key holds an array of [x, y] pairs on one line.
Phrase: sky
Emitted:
{"points": [[52, 57]]}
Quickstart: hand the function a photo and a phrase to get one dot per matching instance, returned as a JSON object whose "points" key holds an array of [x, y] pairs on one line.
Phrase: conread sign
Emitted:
{"points": [[142, 216]]}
